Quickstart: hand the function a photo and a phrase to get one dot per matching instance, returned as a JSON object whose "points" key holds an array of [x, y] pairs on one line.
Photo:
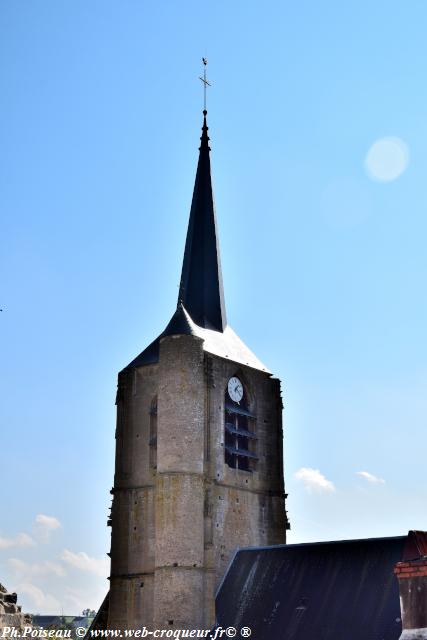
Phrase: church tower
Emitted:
{"points": [[199, 469]]}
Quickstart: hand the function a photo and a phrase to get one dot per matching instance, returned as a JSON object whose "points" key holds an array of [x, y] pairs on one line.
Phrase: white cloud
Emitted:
{"points": [[83, 562], [26, 570], [20, 540], [370, 477], [45, 525], [387, 159], [48, 522], [314, 481], [42, 602], [84, 596]]}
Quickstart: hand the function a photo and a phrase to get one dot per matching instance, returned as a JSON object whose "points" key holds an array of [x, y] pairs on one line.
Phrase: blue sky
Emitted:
{"points": [[323, 259]]}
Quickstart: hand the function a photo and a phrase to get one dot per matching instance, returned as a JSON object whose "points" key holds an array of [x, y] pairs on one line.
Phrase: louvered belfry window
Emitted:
{"points": [[239, 434]]}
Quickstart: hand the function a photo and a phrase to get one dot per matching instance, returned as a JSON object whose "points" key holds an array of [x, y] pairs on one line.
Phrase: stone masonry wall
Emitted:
{"points": [[10, 612], [133, 527], [178, 592], [244, 508], [176, 527]]}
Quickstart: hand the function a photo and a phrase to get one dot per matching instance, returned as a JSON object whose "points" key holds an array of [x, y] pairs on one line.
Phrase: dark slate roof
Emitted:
{"points": [[179, 324], [150, 355], [45, 621], [225, 344], [201, 289], [319, 591]]}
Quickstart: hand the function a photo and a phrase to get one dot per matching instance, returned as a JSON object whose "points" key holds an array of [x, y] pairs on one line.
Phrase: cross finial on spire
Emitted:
{"points": [[205, 82]]}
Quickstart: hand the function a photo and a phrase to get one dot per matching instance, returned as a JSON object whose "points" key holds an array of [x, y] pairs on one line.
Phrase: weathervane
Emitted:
{"points": [[205, 82]]}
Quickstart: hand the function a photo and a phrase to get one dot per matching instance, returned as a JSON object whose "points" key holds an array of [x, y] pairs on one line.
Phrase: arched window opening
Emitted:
{"points": [[153, 434], [239, 428]]}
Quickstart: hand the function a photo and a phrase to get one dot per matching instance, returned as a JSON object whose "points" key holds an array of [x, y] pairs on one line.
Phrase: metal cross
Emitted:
{"points": [[205, 82]]}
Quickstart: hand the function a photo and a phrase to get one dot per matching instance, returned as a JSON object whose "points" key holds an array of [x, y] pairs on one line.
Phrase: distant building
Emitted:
{"points": [[70, 623]]}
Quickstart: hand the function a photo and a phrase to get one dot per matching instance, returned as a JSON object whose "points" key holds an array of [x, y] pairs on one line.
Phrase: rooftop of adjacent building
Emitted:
{"points": [[329, 590]]}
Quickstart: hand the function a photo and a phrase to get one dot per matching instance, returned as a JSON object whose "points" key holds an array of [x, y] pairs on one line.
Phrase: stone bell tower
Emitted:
{"points": [[199, 467]]}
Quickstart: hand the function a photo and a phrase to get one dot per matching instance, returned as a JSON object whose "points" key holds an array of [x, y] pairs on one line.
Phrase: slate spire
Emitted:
{"points": [[201, 289]]}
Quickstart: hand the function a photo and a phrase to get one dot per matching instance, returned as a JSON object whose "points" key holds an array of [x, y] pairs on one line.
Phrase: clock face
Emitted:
{"points": [[235, 389]]}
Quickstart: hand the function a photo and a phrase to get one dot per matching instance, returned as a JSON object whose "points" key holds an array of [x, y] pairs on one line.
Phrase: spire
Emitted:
{"points": [[201, 289]]}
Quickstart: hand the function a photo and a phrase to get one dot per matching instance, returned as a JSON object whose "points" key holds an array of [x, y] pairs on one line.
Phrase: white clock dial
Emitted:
{"points": [[235, 389]]}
